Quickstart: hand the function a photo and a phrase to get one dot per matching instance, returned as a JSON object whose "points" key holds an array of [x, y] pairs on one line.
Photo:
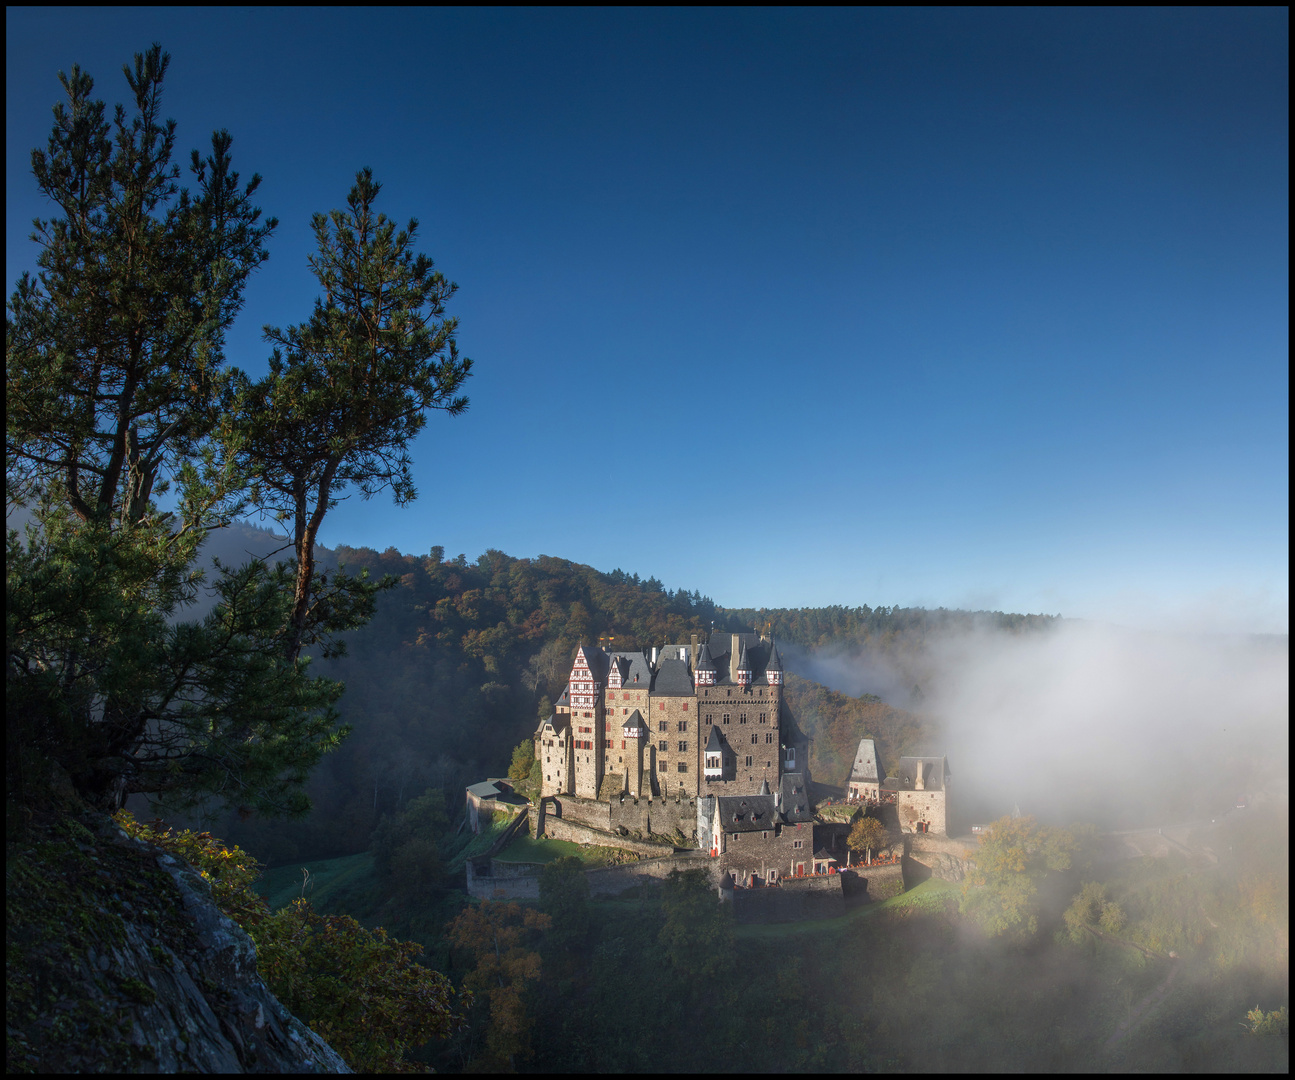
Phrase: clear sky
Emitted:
{"points": [[920, 307]]}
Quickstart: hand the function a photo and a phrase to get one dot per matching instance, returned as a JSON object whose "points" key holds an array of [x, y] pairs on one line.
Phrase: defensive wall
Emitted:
{"points": [[520, 881], [629, 818], [562, 829]]}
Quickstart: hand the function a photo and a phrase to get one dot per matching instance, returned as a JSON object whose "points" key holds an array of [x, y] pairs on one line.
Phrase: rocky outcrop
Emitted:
{"points": [[945, 857], [118, 960]]}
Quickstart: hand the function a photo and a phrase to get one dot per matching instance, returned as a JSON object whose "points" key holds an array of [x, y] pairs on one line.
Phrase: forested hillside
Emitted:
{"points": [[452, 672]]}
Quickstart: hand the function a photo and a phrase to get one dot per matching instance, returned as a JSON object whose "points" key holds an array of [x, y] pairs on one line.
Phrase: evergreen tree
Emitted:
{"points": [[117, 385], [348, 390]]}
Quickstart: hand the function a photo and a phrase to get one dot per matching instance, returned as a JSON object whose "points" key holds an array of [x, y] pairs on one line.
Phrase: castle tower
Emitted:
{"points": [[588, 738], [705, 671], [865, 782], [743, 667], [553, 752], [634, 732], [773, 670]]}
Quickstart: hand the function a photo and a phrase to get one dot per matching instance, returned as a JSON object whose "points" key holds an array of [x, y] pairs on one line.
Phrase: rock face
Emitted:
{"points": [[117, 959]]}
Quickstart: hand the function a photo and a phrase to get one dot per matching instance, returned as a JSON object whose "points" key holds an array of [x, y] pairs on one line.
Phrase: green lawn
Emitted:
{"points": [[460, 848], [524, 849], [931, 893], [328, 884]]}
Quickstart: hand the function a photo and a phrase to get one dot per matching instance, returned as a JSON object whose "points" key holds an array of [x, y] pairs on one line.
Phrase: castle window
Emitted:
{"points": [[663, 726], [660, 766], [764, 717], [662, 746], [748, 761], [683, 725], [683, 746], [683, 766], [768, 736], [661, 706], [741, 718], [798, 843], [755, 739], [685, 706], [726, 718]]}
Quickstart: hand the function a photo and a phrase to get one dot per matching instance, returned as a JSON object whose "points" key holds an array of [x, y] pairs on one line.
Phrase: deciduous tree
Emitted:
{"points": [[867, 834], [501, 940]]}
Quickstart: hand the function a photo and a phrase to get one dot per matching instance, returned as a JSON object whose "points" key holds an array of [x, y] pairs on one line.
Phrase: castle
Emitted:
{"points": [[702, 726], [694, 742], [919, 792]]}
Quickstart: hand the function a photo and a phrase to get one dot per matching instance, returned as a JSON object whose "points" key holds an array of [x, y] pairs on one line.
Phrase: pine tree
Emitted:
{"points": [[117, 389], [349, 389]]}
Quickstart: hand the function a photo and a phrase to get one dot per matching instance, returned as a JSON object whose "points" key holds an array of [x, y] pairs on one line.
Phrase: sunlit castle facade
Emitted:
{"points": [[692, 720]]}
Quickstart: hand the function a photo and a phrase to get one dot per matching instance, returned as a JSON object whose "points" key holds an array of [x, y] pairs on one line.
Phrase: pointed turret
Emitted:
{"points": [[773, 670], [743, 667], [764, 788], [634, 726], [713, 768], [705, 670]]}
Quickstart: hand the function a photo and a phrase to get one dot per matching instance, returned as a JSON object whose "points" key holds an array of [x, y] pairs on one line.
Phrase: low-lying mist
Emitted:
{"points": [[1092, 722]]}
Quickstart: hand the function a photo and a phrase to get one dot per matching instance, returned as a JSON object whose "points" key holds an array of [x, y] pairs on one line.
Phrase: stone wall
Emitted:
{"points": [[752, 703], [795, 899], [562, 829], [644, 817], [521, 881], [755, 854], [672, 723], [614, 880], [487, 887], [879, 882], [915, 806]]}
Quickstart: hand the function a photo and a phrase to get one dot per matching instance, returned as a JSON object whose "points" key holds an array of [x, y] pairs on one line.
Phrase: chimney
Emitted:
{"points": [[654, 656], [919, 783], [693, 664]]}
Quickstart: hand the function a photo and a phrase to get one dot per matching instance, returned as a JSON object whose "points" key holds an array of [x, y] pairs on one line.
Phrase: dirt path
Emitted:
{"points": [[1144, 1008]]}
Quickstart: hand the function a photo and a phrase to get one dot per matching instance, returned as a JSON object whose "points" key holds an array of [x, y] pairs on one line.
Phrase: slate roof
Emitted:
{"points": [[794, 802], [775, 661], [757, 655], [746, 813], [935, 770], [485, 789], [557, 722], [634, 664], [635, 720], [704, 662], [673, 679], [598, 662], [714, 745], [865, 762]]}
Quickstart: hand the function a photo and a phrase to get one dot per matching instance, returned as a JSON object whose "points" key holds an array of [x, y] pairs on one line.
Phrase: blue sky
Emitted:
{"points": [[964, 308]]}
